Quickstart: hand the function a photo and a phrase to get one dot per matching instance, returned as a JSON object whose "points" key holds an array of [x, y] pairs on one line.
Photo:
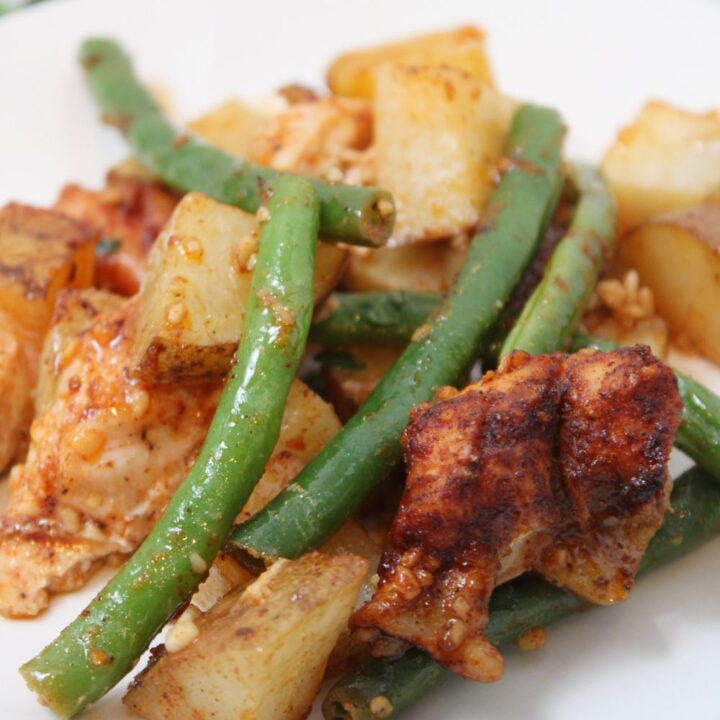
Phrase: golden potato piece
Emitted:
{"points": [[41, 252], [351, 380], [353, 74], [308, 424], [438, 136], [424, 267], [666, 160], [678, 257], [260, 653], [231, 126], [193, 297]]}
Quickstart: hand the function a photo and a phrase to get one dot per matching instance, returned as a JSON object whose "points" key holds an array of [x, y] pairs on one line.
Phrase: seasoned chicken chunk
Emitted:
{"points": [[103, 461], [109, 451], [555, 464]]}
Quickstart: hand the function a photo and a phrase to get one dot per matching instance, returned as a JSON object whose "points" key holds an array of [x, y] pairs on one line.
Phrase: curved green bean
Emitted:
{"points": [[555, 308], [102, 645], [357, 215]]}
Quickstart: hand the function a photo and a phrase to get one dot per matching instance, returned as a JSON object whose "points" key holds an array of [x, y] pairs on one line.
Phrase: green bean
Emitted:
{"points": [[102, 645], [372, 318], [349, 467], [555, 308], [525, 603], [358, 215]]}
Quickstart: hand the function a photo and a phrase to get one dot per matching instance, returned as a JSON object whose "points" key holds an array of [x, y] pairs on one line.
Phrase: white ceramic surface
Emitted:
{"points": [[655, 656]]}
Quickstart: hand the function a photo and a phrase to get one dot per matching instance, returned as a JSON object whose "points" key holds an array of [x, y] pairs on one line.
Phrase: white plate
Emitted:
{"points": [[657, 655]]}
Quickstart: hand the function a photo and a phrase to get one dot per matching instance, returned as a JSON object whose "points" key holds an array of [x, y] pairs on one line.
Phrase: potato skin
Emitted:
{"points": [[677, 255]]}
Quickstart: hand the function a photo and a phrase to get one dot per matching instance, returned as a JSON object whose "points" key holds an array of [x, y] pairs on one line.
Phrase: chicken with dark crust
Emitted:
{"points": [[555, 464]]}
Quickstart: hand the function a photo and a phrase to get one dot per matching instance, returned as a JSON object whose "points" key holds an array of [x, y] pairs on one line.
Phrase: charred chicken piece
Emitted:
{"points": [[129, 212], [555, 464]]}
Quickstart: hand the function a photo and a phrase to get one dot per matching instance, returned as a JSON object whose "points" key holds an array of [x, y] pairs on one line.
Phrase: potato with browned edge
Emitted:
{"points": [[259, 653], [677, 256], [666, 160], [194, 294], [353, 73], [439, 134]]}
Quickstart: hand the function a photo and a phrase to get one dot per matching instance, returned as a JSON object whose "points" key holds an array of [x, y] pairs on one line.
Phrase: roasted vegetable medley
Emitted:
{"points": [[359, 384]]}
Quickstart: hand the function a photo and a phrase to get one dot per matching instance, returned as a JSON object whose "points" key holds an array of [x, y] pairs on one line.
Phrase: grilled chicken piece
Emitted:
{"points": [[555, 464], [318, 138], [108, 451], [129, 212], [103, 462]]}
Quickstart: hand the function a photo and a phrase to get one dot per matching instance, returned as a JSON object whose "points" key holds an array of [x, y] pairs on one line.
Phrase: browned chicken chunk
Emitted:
{"points": [[556, 464], [129, 213]]}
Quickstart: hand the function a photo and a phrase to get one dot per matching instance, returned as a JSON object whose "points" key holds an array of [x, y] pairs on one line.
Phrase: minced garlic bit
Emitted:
{"points": [[251, 262], [532, 639], [176, 313], [626, 299], [183, 632], [622, 310], [263, 214], [197, 563], [381, 707], [88, 442], [99, 657], [138, 401]]}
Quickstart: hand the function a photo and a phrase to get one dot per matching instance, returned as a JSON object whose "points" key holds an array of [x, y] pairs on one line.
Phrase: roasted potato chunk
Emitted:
{"points": [[192, 300], [678, 257], [428, 266], [320, 137], [41, 252], [74, 310], [308, 424], [230, 126], [438, 136], [260, 653], [351, 374], [353, 74], [666, 160]]}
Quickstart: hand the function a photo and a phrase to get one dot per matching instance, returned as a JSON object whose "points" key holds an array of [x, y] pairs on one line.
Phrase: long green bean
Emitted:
{"points": [[358, 215], [555, 308], [101, 646], [349, 467]]}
